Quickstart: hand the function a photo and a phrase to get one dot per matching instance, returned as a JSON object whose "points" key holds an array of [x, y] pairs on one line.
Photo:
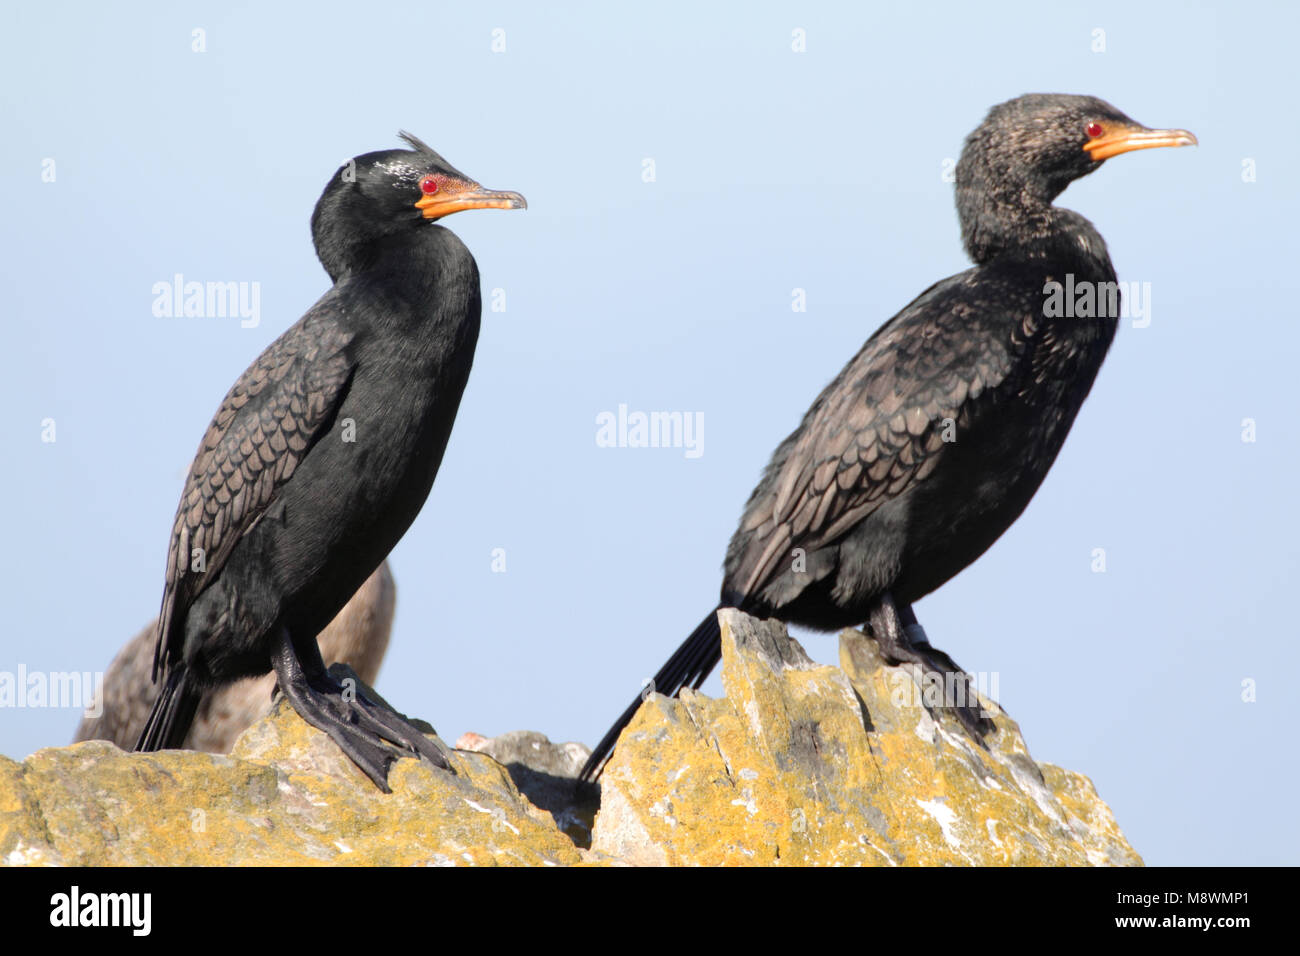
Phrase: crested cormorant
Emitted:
{"points": [[932, 440], [358, 637], [322, 454]]}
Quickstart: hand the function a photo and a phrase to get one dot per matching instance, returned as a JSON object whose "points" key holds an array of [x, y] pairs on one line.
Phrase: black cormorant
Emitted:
{"points": [[932, 440], [322, 454]]}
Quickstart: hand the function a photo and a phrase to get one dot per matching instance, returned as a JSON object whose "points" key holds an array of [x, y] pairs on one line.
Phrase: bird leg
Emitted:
{"points": [[359, 726], [902, 641]]}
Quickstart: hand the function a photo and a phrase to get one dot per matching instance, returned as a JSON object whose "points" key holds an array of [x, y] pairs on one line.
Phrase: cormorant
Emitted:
{"points": [[932, 440], [322, 454], [358, 637]]}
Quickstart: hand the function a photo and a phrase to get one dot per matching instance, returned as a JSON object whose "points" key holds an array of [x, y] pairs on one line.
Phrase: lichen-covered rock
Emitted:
{"points": [[806, 764], [798, 764], [285, 796]]}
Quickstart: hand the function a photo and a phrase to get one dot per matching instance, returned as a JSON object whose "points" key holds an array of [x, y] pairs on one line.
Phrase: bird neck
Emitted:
{"points": [[345, 255], [421, 287], [413, 262], [1016, 222], [429, 262]]}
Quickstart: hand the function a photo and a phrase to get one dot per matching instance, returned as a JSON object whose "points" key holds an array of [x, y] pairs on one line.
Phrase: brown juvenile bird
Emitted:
{"points": [[357, 637]]}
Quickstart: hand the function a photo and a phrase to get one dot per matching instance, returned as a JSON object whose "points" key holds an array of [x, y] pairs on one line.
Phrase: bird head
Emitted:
{"points": [[1023, 156], [1041, 142], [385, 193]]}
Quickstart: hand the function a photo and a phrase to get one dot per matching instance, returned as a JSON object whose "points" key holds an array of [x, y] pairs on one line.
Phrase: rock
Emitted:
{"points": [[358, 637], [800, 764], [285, 796], [807, 764], [546, 774]]}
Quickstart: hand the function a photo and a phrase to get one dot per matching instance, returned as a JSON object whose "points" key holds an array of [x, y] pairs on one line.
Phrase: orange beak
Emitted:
{"points": [[1126, 139], [456, 195]]}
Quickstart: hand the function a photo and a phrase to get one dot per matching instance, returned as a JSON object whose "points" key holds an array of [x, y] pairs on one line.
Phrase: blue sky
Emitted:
{"points": [[774, 171]]}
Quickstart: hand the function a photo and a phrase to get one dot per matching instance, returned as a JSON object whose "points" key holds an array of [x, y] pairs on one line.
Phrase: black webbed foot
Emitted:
{"points": [[903, 641], [362, 728]]}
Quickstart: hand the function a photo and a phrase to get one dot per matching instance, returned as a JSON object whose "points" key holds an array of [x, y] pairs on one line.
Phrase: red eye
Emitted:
{"points": [[428, 185], [1093, 130]]}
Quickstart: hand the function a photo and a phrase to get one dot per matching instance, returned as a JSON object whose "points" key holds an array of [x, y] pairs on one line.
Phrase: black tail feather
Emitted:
{"points": [[689, 666], [173, 713]]}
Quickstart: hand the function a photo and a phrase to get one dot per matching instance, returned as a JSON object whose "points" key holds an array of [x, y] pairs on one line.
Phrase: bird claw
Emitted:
{"points": [[364, 730], [371, 733], [941, 676]]}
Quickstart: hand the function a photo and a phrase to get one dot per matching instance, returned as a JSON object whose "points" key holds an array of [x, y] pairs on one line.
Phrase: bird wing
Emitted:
{"points": [[878, 429], [267, 424]]}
